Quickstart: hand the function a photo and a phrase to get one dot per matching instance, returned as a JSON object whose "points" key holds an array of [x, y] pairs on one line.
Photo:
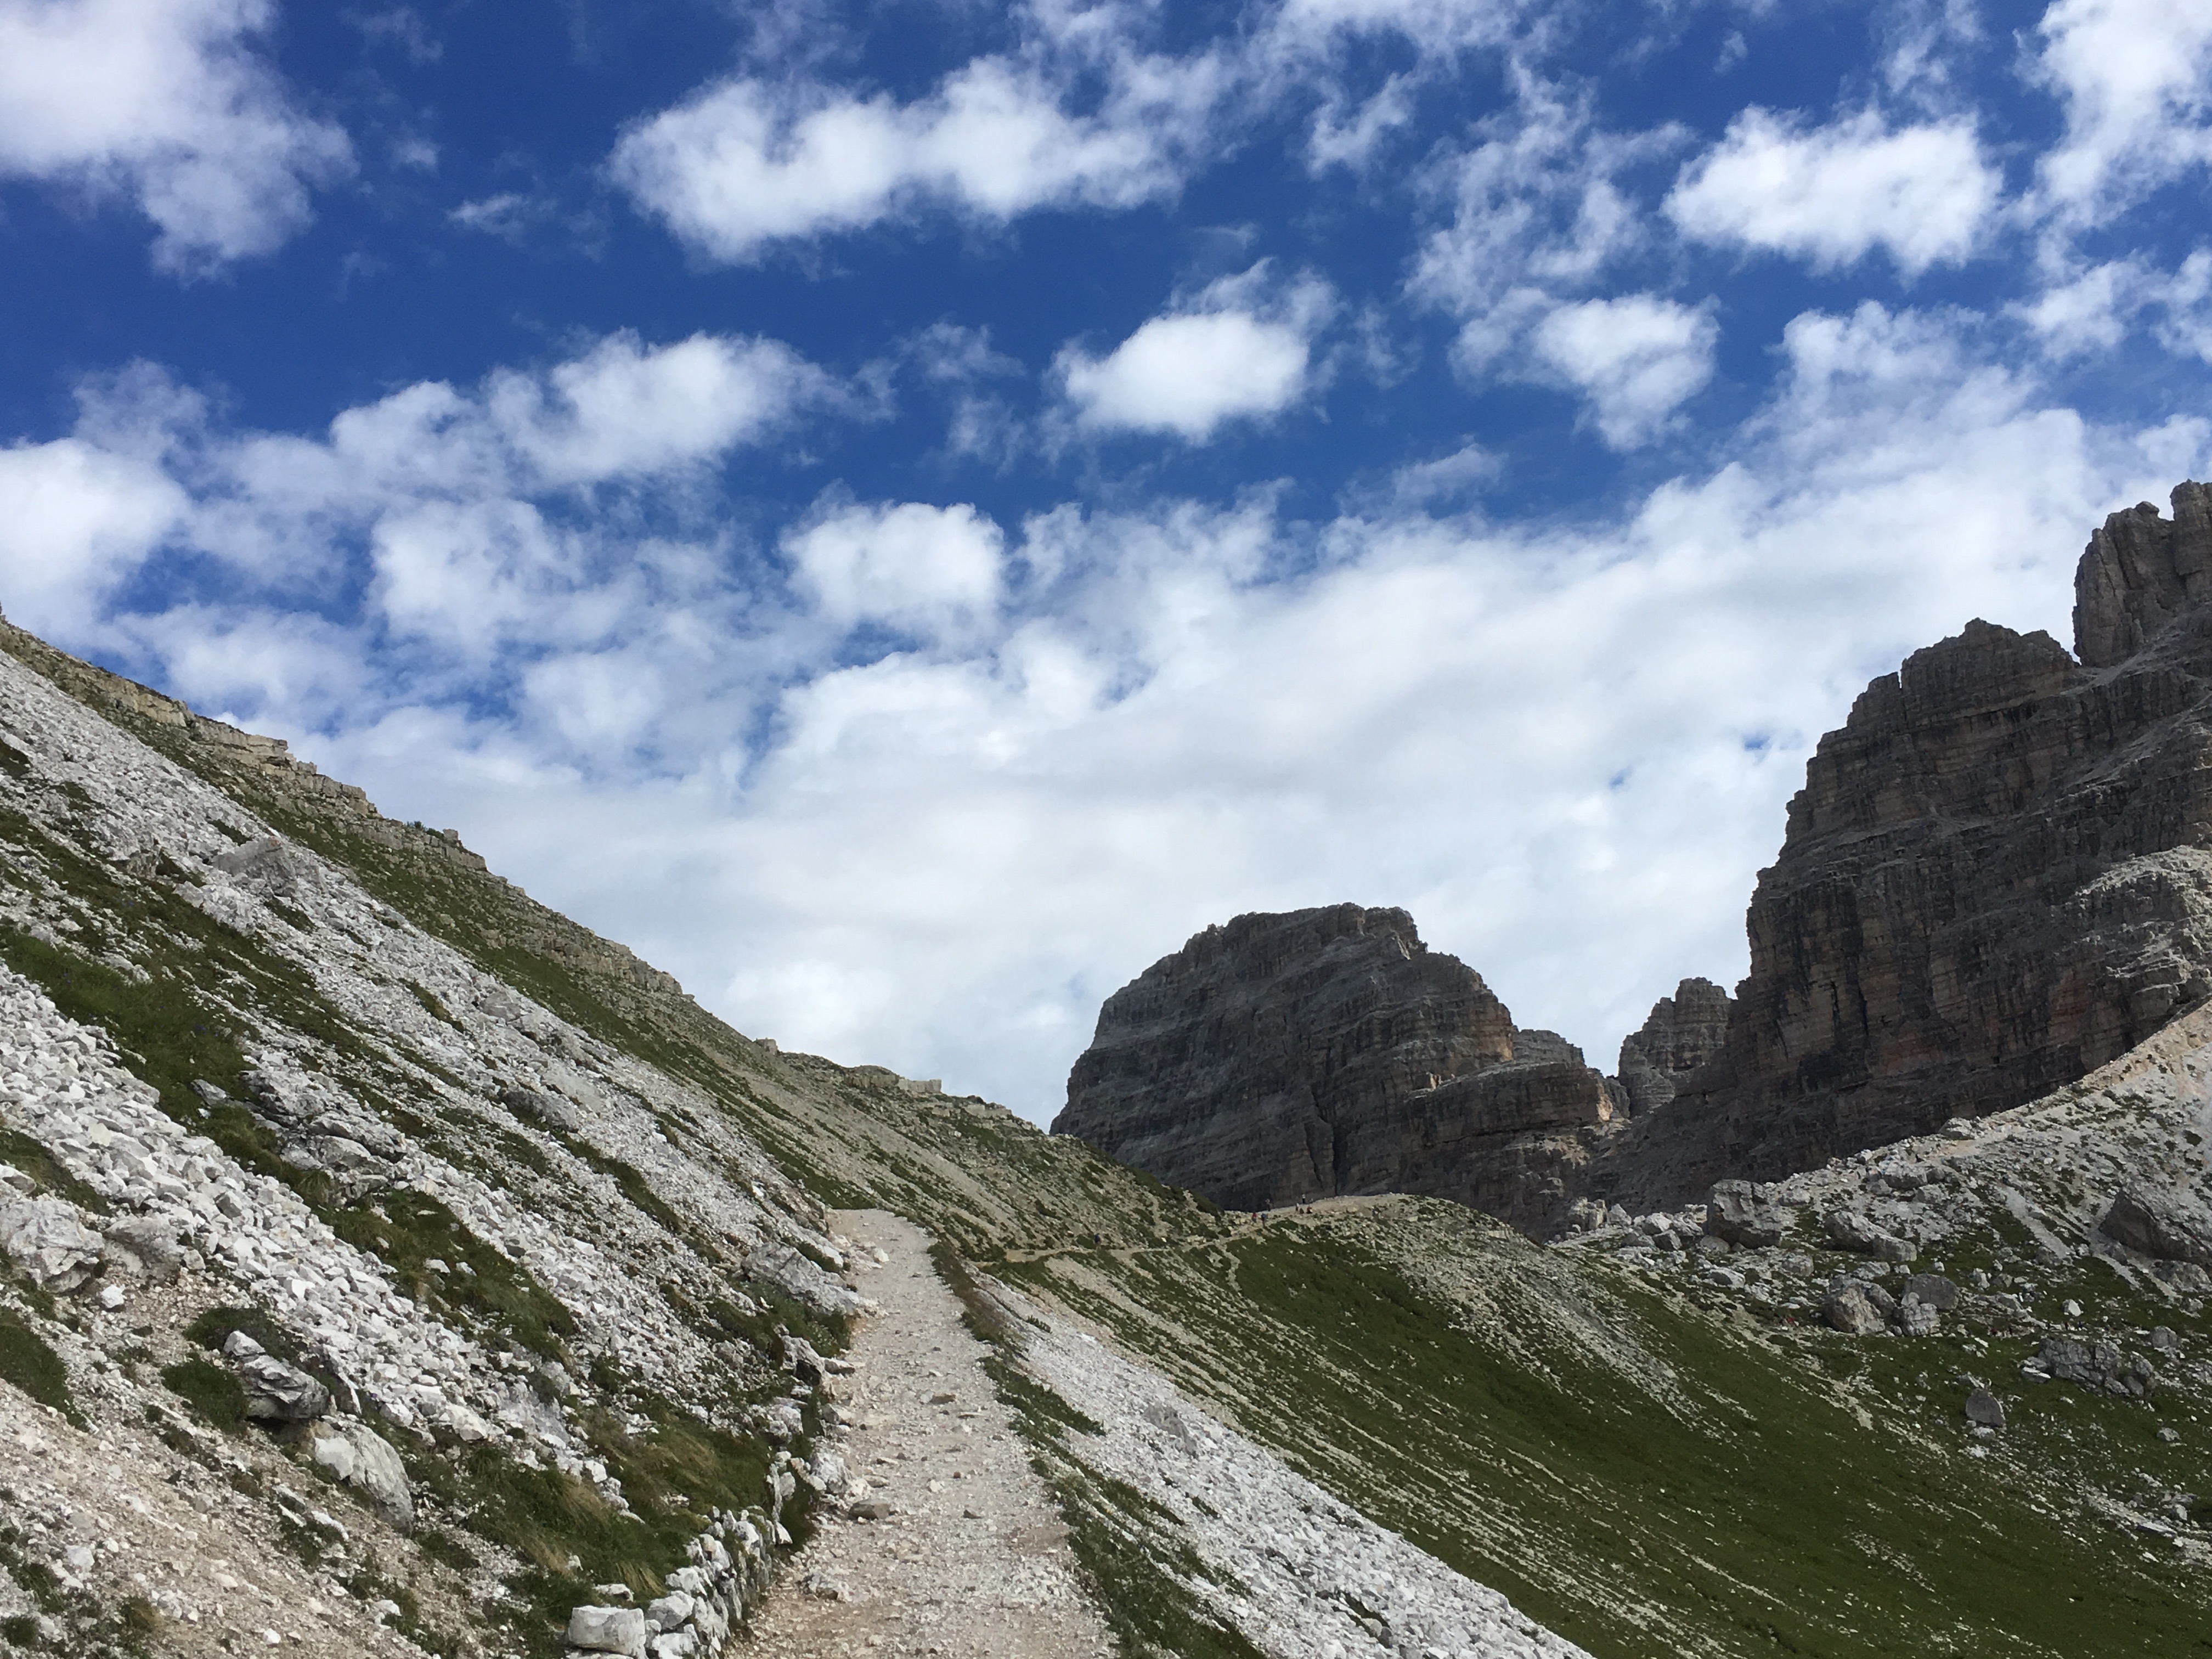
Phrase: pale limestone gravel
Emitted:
{"points": [[148, 1524], [1299, 1573], [973, 1561]]}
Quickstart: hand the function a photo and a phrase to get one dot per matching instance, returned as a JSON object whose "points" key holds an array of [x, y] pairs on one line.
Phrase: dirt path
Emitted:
{"points": [[973, 1560]]}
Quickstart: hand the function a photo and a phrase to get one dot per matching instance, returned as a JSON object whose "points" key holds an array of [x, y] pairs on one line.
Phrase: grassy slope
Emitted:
{"points": [[1641, 1476]]}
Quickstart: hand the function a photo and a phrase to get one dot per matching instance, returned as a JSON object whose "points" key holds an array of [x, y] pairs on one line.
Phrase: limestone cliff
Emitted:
{"points": [[1285, 1057], [1996, 879], [1681, 1033]]}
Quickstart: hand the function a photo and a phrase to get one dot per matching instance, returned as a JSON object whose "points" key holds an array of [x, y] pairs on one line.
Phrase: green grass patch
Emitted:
{"points": [[408, 1229], [778, 1312], [672, 1474], [632, 1183], [1732, 1504], [34, 1161], [214, 1325], [428, 998], [209, 1390], [29, 1364]]}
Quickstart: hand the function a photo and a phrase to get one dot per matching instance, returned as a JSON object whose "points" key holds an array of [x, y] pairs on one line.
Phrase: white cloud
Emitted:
{"points": [[926, 570], [1537, 206], [1832, 195], [2088, 311], [1338, 140], [1238, 350], [2186, 298], [509, 215], [80, 520], [1636, 358], [1920, 41], [473, 521], [2135, 79], [623, 409], [164, 102], [467, 574], [748, 163], [1189, 374], [1430, 26]]}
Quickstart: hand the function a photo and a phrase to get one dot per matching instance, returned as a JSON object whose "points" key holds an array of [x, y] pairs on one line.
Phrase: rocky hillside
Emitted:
{"points": [[387, 1262], [1952, 1397], [1283, 1058]]}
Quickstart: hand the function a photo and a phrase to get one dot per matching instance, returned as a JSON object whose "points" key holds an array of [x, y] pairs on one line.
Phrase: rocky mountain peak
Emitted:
{"points": [[2140, 572], [1995, 880], [1280, 1058], [1681, 1033]]}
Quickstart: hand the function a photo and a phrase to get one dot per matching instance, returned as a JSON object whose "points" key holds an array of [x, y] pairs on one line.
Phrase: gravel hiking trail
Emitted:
{"points": [[972, 1559]]}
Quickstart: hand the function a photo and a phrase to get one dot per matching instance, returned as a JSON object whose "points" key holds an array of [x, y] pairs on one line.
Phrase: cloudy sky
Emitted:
{"points": [[903, 512]]}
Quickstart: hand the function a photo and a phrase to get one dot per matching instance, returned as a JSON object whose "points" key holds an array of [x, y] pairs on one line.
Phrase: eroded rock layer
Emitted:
{"points": [[1995, 880], [1286, 1057]]}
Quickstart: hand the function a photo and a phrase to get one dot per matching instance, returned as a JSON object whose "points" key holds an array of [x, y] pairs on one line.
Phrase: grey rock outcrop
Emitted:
{"points": [[1849, 1307], [1287, 1057], [1849, 1231], [1736, 1211], [55, 1250], [2097, 1364], [1933, 1291], [147, 1246], [275, 1390], [364, 1459], [786, 1269], [608, 1630], [2166, 1224]]}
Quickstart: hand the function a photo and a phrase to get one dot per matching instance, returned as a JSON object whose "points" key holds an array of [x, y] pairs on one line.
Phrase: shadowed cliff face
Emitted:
{"points": [[1329, 1051], [1995, 880]]}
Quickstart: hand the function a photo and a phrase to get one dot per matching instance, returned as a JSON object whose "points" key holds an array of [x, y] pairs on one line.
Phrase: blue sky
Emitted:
{"points": [[903, 512]]}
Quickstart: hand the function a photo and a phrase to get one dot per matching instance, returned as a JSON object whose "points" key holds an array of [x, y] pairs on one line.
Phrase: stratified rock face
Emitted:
{"points": [[1683, 1032], [1995, 879], [1323, 1052]]}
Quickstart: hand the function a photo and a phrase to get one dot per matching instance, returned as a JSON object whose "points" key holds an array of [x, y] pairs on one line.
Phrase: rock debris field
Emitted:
{"points": [[967, 1554]]}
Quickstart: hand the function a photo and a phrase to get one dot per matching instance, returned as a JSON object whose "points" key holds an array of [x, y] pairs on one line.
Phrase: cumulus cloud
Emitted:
{"points": [[168, 105], [1239, 349], [1189, 374], [471, 520], [1636, 358], [1541, 215], [747, 162], [80, 521], [1832, 195], [2087, 310], [2134, 78], [924, 570], [623, 411]]}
